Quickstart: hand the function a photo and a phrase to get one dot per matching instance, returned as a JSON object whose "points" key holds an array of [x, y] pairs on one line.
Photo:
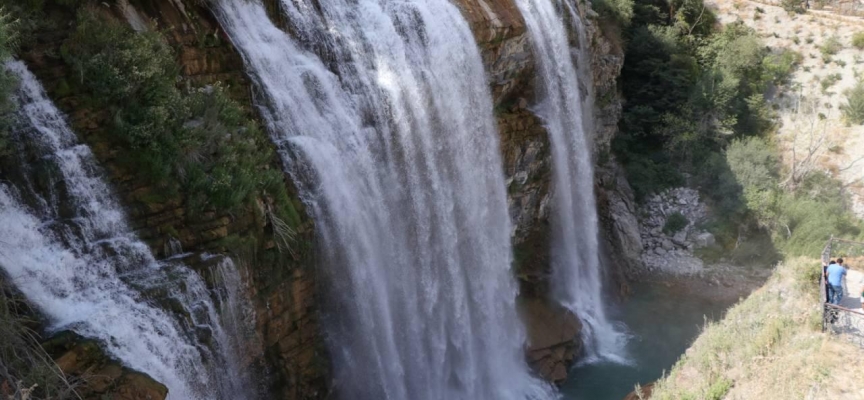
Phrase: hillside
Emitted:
{"points": [[813, 133], [769, 346]]}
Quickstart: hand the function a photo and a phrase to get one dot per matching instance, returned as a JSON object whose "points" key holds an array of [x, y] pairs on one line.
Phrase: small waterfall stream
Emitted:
{"points": [[66, 246], [575, 253], [381, 111]]}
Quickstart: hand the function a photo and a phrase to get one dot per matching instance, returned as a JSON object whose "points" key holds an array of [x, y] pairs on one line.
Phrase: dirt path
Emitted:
{"points": [[852, 290]]}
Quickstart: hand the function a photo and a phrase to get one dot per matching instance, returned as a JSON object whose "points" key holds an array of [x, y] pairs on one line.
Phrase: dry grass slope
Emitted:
{"points": [[769, 346]]}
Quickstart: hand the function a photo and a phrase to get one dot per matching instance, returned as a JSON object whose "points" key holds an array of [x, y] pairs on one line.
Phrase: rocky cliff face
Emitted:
{"points": [[283, 288], [501, 34]]}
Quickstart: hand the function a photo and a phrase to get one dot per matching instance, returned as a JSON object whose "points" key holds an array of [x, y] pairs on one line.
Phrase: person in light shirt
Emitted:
{"points": [[835, 274]]}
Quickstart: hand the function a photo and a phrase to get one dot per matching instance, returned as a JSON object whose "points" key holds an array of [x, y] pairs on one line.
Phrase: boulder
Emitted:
{"points": [[101, 376], [553, 337], [703, 239], [680, 239]]}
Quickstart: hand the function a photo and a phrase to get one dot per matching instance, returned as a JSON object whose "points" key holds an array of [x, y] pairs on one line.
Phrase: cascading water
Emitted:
{"points": [[575, 254], [65, 244], [382, 113]]}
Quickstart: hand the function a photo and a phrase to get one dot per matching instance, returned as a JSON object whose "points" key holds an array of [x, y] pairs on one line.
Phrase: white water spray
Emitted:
{"points": [[575, 254], [65, 245], [382, 113]]}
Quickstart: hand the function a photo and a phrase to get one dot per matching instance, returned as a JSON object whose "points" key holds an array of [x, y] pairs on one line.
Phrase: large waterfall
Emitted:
{"points": [[576, 265], [66, 246], [382, 113]]}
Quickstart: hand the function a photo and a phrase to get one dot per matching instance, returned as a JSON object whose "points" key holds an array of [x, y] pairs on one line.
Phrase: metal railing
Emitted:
{"points": [[837, 319]]}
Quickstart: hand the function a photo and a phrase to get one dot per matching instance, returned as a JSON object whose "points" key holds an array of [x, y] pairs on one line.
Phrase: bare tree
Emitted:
{"points": [[809, 141]]}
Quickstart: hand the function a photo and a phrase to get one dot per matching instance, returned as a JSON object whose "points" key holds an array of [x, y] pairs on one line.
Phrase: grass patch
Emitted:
{"points": [[853, 109], [858, 40], [26, 371], [768, 346], [831, 46]]}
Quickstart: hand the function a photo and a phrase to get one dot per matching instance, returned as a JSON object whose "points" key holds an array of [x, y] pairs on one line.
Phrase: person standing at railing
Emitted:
{"points": [[835, 273], [825, 286]]}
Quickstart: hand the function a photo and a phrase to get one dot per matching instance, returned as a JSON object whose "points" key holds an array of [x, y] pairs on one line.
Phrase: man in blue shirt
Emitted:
{"points": [[835, 274]]}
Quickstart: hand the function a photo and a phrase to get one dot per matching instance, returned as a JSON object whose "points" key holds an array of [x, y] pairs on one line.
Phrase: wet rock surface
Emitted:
{"points": [[553, 333], [100, 376]]}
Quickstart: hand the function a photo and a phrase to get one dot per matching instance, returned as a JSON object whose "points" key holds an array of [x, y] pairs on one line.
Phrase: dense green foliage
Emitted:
{"points": [[620, 11], [696, 114], [193, 140], [690, 90]]}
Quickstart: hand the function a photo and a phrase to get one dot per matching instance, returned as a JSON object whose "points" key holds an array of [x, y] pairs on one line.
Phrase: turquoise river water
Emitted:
{"points": [[663, 320]]}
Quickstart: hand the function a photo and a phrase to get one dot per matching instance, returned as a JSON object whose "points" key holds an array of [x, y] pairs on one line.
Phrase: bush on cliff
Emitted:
{"points": [[620, 11], [26, 371], [195, 141]]}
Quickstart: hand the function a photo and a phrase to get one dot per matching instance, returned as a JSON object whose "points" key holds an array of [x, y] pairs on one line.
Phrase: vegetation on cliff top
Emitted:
{"points": [[696, 114]]}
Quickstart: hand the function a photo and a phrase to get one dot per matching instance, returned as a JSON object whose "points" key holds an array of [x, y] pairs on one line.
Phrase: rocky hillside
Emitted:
{"points": [[813, 133], [282, 282]]}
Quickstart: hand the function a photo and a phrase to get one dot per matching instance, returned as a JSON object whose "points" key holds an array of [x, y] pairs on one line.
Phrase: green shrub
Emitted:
{"points": [[853, 110], [792, 6], [829, 81], [778, 66], [674, 223], [193, 141], [718, 389], [858, 40], [620, 11], [831, 46]]}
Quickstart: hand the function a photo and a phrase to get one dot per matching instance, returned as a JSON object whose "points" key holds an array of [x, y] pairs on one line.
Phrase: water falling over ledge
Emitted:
{"points": [[65, 244], [577, 276], [382, 114]]}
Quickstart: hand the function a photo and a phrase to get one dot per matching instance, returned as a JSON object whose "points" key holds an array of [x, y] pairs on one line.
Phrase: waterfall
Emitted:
{"points": [[382, 114], [65, 244], [578, 280]]}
